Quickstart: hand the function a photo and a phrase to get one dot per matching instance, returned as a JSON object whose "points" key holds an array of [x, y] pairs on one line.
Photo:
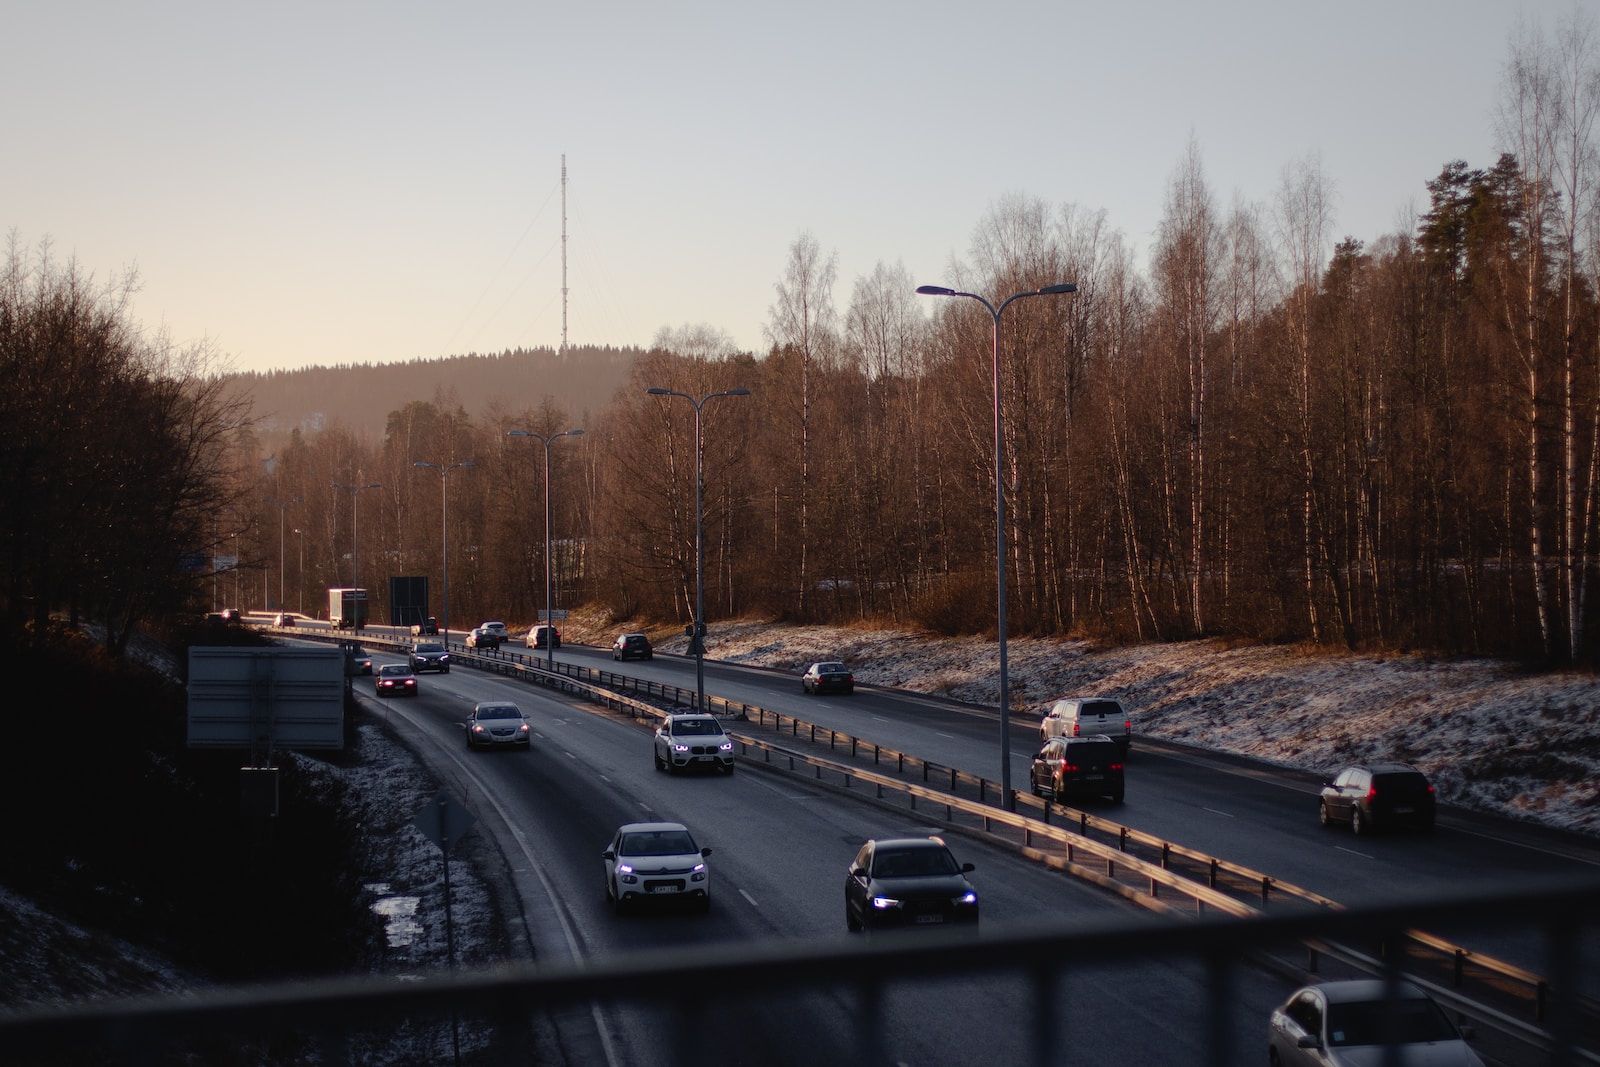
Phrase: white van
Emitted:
{"points": [[1086, 716]]}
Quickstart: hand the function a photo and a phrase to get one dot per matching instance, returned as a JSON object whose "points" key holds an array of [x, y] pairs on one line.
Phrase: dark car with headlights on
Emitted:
{"points": [[1363, 1023], [632, 646], [827, 677], [498, 724], [656, 862], [395, 678], [1078, 767], [430, 656], [906, 882], [693, 741], [1379, 796]]}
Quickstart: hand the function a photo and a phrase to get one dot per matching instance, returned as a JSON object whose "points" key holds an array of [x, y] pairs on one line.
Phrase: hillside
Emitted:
{"points": [[360, 396]]}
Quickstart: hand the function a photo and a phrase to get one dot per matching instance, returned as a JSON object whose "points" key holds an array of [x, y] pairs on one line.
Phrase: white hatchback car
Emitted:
{"points": [[656, 861], [1342, 1024], [694, 741]]}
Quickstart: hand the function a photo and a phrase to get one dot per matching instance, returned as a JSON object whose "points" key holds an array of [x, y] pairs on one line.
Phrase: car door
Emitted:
{"points": [[855, 885]]}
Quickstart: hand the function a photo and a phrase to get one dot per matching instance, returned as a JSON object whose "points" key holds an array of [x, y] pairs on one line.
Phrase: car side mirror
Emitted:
{"points": [[1039, 754], [705, 852], [608, 854], [968, 868], [1308, 1041], [858, 872]]}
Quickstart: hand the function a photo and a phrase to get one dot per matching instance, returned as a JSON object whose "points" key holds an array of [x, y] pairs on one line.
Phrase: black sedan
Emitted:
{"points": [[827, 677], [906, 882]]}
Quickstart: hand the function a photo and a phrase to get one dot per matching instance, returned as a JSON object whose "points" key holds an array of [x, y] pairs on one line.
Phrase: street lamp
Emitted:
{"points": [[1000, 511], [355, 545], [444, 531], [697, 639], [300, 571], [549, 620], [282, 504]]}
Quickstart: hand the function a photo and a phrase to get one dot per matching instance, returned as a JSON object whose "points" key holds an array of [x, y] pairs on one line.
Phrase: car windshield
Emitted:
{"points": [[499, 711], [395, 669], [430, 646], [1373, 1022], [657, 843], [696, 726], [913, 863]]}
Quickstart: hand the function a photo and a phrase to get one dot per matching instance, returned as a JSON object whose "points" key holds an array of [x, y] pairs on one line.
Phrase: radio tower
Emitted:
{"points": [[563, 253]]}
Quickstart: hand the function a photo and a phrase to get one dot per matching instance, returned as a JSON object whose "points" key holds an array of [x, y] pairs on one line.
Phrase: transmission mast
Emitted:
{"points": [[563, 253]]}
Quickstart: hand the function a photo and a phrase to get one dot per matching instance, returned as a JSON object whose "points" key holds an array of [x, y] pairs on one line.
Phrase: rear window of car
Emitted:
{"points": [[1401, 782], [1094, 752], [1101, 707]]}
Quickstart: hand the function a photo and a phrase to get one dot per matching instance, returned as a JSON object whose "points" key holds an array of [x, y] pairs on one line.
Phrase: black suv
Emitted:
{"points": [[1078, 766], [1379, 796]]}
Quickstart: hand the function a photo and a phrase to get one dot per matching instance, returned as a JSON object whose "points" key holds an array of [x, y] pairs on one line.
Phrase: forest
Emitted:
{"points": [[1271, 433]]}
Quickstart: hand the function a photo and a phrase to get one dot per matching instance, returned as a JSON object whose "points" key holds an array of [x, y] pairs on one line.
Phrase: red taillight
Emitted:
{"points": [[1430, 787], [1127, 726], [1372, 794], [1075, 728], [1069, 767], [1116, 766]]}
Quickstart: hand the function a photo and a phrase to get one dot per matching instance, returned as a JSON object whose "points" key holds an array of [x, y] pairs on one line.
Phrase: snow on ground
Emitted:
{"points": [[1490, 735]]}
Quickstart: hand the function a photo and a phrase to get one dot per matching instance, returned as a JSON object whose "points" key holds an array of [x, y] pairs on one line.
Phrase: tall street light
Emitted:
{"points": [[355, 545], [549, 620], [1000, 511], [444, 530], [697, 637], [282, 504], [300, 571]]}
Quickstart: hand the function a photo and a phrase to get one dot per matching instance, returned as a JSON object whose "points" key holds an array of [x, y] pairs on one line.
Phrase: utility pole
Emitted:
{"points": [[563, 253]]}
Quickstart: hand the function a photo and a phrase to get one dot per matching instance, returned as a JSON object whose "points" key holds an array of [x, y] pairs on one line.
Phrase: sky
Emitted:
{"points": [[343, 182]]}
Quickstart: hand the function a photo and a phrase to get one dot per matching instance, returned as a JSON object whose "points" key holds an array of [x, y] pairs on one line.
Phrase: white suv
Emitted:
{"points": [[1084, 717], [695, 740]]}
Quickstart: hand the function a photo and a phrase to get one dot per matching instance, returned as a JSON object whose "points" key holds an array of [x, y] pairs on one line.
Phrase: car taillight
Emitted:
{"points": [[1127, 726], [1116, 766], [1065, 766], [1075, 728], [1372, 794]]}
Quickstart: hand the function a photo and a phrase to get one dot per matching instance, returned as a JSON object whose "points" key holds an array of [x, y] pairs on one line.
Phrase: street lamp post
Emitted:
{"points": [[355, 544], [549, 611], [1000, 511], [300, 571], [282, 504], [444, 531], [697, 639]]}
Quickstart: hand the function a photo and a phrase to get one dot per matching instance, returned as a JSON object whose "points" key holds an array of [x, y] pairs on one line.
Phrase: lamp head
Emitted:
{"points": [[656, 390], [741, 391], [935, 290], [1064, 287]]}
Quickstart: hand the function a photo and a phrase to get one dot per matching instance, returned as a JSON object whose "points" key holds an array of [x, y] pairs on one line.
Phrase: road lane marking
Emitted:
{"points": [[750, 898], [1216, 811], [1353, 852]]}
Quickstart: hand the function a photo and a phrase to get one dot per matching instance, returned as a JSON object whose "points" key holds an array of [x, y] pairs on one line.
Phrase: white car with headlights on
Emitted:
{"points": [[498, 724], [694, 741], [656, 862]]}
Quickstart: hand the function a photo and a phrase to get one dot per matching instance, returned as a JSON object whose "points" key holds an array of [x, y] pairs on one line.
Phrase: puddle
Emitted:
{"points": [[399, 914]]}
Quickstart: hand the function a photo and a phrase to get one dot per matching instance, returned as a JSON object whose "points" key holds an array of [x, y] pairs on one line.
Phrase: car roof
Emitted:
{"points": [[647, 827], [480, 705], [907, 843], [1361, 990], [396, 668]]}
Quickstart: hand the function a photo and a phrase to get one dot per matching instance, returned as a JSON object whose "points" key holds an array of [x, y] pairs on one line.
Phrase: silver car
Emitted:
{"points": [[498, 724], [1344, 1024], [656, 861]]}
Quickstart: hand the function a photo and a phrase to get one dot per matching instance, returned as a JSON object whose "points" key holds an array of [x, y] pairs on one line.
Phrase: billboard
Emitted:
{"points": [[266, 698]]}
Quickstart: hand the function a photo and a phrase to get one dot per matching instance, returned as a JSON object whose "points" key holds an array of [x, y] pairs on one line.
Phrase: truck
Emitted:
{"points": [[347, 609]]}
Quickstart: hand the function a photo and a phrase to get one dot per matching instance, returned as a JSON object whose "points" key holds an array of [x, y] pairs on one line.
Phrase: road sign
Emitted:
{"points": [[558, 615], [443, 821]]}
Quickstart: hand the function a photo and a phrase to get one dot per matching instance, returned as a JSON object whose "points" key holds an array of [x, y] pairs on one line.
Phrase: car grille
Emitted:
{"points": [[703, 750]]}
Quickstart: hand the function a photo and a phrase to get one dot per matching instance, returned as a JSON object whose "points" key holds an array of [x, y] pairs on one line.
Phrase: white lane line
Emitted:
{"points": [[750, 898], [1353, 852], [1216, 811]]}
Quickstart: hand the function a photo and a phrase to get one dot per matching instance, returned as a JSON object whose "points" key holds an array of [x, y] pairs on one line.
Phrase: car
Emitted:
{"points": [[656, 861], [481, 638], [231, 615], [284, 618], [693, 741], [827, 676], [1078, 767], [632, 646], [357, 660], [428, 627], [907, 882], [542, 633], [1341, 1024], [430, 656], [498, 724], [1378, 796], [1085, 716], [395, 678]]}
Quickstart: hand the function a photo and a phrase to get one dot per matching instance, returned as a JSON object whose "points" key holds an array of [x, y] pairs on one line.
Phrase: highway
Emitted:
{"points": [[782, 845]]}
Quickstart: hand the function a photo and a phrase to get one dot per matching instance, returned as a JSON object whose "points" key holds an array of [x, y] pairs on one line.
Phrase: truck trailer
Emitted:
{"points": [[347, 609]]}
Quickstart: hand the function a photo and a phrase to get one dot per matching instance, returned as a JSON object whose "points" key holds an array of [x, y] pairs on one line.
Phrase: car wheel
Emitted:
{"points": [[444, 670], [661, 764], [651, 655], [1033, 783], [1358, 825], [1323, 814], [851, 923]]}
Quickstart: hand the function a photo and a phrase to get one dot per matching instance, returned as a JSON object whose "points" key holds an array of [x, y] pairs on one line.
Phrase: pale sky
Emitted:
{"points": [[332, 182]]}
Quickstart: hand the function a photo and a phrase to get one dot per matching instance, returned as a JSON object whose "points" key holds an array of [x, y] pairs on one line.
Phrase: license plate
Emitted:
{"points": [[930, 918], [1093, 777], [1404, 809], [661, 889]]}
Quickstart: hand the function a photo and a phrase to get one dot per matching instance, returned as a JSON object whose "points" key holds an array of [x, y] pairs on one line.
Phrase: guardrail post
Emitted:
{"points": [[1166, 855], [924, 771], [1266, 889], [1311, 959], [1122, 840], [1083, 823], [1215, 866], [1541, 994]]}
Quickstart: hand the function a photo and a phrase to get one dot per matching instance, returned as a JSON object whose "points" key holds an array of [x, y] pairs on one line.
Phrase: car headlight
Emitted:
{"points": [[625, 873], [969, 897], [883, 903], [522, 729], [680, 746], [444, 659], [698, 873], [726, 746]]}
